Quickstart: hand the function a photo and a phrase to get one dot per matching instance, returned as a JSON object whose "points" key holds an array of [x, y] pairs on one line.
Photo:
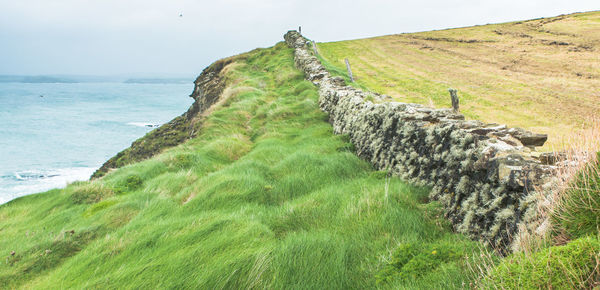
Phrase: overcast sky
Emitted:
{"points": [[109, 37]]}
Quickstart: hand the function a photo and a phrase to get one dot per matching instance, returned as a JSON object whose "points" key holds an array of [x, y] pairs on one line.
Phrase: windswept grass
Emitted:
{"points": [[264, 197], [540, 74], [576, 210]]}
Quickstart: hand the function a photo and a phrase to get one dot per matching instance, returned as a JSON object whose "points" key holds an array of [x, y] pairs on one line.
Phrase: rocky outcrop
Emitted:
{"points": [[208, 88], [483, 174]]}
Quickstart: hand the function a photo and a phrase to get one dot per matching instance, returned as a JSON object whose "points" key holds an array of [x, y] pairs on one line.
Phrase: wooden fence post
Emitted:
{"points": [[454, 98], [349, 70], [315, 47]]}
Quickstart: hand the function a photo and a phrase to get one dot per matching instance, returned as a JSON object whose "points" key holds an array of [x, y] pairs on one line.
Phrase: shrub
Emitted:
{"points": [[133, 182]]}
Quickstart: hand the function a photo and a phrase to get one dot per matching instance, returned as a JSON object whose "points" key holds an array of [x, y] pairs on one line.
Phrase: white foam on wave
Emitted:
{"points": [[34, 181], [33, 174], [142, 124]]}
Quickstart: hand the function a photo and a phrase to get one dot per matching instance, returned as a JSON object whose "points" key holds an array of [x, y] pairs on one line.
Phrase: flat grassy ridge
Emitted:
{"points": [[542, 74], [265, 196]]}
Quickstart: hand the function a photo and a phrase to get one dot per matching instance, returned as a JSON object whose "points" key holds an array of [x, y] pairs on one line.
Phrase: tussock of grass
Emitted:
{"points": [[578, 215], [264, 197], [91, 193], [573, 266]]}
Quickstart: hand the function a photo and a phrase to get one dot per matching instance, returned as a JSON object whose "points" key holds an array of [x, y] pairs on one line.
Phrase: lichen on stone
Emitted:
{"points": [[482, 173]]}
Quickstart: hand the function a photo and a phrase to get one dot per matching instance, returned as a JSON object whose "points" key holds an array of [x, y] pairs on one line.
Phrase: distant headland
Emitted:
{"points": [[68, 79]]}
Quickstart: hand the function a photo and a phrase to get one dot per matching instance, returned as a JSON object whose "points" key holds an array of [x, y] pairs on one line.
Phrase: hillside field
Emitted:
{"points": [[542, 74]]}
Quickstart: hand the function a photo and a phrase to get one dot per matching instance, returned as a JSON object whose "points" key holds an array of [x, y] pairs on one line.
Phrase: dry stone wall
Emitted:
{"points": [[483, 174]]}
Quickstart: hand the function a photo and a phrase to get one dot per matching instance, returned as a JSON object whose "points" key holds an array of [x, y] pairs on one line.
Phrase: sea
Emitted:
{"points": [[52, 134]]}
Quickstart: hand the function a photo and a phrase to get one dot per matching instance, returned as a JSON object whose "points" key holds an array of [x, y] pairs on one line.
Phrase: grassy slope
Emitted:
{"points": [[264, 196], [541, 74]]}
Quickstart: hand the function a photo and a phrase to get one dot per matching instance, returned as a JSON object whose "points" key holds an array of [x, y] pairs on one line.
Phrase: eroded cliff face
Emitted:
{"points": [[485, 175], [208, 88]]}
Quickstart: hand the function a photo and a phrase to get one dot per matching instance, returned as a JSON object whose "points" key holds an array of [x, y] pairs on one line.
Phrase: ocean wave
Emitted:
{"points": [[33, 181], [141, 124], [32, 175]]}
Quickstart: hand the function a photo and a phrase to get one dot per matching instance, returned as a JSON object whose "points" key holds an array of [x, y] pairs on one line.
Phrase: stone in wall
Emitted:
{"points": [[483, 174]]}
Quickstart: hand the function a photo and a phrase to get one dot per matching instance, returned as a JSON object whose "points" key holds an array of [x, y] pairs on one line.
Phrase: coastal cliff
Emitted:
{"points": [[266, 196], [208, 87]]}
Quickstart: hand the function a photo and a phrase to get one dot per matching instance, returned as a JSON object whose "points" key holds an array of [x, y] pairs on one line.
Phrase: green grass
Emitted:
{"points": [[578, 215], [572, 266], [264, 197]]}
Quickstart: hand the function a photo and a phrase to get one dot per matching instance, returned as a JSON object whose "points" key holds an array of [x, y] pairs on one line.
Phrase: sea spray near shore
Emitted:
{"points": [[47, 142], [33, 181], [144, 124]]}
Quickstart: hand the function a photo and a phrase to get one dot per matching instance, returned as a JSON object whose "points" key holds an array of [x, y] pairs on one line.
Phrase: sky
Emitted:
{"points": [[137, 37]]}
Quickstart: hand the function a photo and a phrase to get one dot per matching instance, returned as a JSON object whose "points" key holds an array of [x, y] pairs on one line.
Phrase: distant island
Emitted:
{"points": [[69, 79], [158, 81], [35, 79]]}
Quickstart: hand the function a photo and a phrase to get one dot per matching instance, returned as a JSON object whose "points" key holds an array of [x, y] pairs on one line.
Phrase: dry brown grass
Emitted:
{"points": [[543, 75], [579, 190]]}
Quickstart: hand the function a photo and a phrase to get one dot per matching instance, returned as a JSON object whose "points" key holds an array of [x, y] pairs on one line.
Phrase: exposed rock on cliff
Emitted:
{"points": [[484, 174], [208, 88]]}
